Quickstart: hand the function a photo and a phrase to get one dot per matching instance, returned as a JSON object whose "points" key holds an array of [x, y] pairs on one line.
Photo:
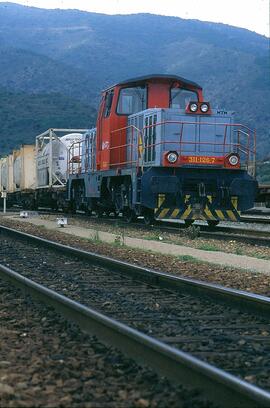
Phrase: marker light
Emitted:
{"points": [[172, 157], [204, 107], [193, 107], [233, 160]]}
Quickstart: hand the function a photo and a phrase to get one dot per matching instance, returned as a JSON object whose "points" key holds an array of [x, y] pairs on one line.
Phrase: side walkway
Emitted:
{"points": [[215, 257]]}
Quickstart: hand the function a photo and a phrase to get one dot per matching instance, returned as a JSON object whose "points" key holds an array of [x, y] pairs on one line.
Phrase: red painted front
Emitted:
{"points": [[158, 95]]}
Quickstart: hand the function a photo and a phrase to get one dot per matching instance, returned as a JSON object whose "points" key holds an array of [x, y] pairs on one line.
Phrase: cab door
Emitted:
{"points": [[104, 130]]}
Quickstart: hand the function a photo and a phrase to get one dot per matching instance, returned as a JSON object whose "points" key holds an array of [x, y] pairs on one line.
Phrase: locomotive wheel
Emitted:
{"points": [[129, 216], [149, 218], [33, 205], [188, 223], [88, 211], [213, 223], [99, 212]]}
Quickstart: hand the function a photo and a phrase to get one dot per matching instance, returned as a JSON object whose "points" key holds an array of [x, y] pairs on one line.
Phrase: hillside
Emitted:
{"points": [[75, 54], [24, 116]]}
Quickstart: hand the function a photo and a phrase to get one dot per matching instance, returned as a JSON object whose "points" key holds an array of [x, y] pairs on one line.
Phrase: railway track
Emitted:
{"points": [[255, 219], [228, 231], [249, 235], [222, 232], [258, 214], [195, 333]]}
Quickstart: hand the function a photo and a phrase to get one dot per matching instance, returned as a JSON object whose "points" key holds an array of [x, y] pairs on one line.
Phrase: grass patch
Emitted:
{"points": [[154, 236], [208, 247], [188, 258], [119, 240], [95, 238], [260, 256]]}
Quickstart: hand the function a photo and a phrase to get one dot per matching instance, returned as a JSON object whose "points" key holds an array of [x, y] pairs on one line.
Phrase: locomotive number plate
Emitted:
{"points": [[202, 160]]}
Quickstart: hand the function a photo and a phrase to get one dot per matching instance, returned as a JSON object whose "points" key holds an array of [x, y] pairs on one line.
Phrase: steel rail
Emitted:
{"points": [[219, 232], [264, 219], [241, 234], [240, 230], [244, 235], [178, 366], [258, 305], [229, 229]]}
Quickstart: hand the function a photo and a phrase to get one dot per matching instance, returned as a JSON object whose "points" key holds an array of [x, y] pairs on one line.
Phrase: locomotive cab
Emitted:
{"points": [[130, 97], [161, 151]]}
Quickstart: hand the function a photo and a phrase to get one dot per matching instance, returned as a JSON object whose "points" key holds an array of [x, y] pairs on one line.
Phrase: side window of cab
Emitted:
{"points": [[132, 100], [108, 103]]}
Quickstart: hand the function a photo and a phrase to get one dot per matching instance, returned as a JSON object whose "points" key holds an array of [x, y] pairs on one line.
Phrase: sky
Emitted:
{"points": [[250, 14]]}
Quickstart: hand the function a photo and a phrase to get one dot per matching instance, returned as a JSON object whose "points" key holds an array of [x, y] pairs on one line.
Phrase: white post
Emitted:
{"points": [[4, 196]]}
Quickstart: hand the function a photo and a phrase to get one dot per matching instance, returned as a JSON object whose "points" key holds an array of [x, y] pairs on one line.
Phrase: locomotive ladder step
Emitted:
{"points": [[139, 190]]}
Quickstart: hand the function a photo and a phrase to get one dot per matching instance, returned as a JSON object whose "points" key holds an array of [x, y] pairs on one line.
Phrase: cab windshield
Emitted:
{"points": [[180, 98]]}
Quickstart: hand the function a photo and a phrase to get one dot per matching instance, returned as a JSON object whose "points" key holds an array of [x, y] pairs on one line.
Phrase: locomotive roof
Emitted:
{"points": [[157, 76]]}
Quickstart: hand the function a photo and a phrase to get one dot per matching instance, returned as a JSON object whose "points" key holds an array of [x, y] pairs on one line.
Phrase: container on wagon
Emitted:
{"points": [[24, 172], [52, 157]]}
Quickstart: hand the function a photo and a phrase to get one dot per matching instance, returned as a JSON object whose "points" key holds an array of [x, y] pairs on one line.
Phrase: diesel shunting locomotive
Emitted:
{"points": [[158, 150]]}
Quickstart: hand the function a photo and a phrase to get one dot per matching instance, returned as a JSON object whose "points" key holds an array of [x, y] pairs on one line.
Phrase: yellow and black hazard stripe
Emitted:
{"points": [[140, 145], [213, 213], [207, 211]]}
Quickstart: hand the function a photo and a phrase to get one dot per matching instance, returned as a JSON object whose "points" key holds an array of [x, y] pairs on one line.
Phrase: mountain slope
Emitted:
{"points": [[76, 54], [23, 70], [23, 116]]}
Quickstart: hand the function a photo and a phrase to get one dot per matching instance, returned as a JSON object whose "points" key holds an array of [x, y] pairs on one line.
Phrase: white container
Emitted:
{"points": [[52, 159]]}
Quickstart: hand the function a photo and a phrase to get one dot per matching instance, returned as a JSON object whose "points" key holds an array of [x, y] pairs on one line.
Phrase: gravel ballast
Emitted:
{"points": [[230, 277], [47, 362]]}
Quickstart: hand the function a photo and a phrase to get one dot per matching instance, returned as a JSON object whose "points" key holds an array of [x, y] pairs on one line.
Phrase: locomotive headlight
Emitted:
{"points": [[204, 107], [172, 157], [193, 107], [233, 160]]}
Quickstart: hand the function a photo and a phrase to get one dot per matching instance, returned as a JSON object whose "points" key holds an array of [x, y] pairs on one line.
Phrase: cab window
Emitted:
{"points": [[131, 100], [108, 104], [180, 98]]}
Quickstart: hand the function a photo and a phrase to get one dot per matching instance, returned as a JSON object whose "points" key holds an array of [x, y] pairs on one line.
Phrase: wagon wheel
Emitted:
{"points": [[99, 212], [129, 216], [188, 223], [212, 223]]}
